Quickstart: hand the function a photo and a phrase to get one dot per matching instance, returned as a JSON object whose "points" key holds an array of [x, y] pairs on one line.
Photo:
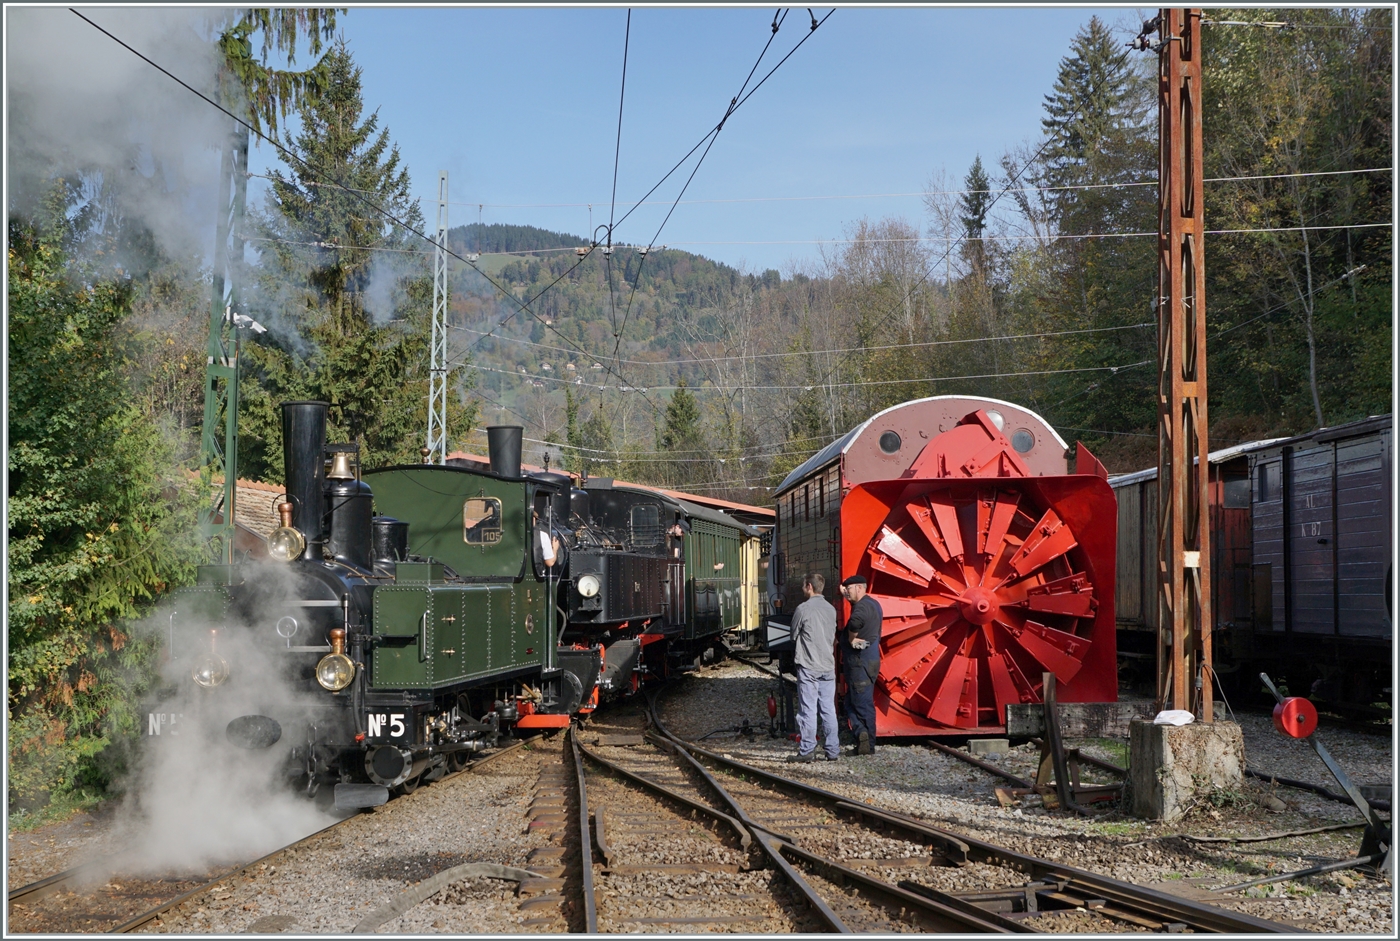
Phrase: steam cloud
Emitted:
{"points": [[80, 103], [196, 800]]}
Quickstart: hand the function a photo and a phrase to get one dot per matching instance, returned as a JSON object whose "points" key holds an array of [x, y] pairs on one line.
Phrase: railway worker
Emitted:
{"points": [[546, 543], [814, 637], [860, 656]]}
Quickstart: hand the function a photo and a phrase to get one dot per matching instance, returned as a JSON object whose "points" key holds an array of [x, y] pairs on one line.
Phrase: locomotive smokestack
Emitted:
{"points": [[303, 449], [504, 443]]}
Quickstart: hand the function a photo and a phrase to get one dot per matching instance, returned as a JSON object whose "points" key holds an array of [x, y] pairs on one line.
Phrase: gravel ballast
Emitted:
{"points": [[334, 880]]}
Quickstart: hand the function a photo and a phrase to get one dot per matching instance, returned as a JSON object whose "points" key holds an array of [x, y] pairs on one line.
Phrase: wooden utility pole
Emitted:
{"points": [[1184, 671]]}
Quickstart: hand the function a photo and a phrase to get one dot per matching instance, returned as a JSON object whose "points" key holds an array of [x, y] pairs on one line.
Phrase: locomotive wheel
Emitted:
{"points": [[458, 760], [409, 786], [982, 593]]}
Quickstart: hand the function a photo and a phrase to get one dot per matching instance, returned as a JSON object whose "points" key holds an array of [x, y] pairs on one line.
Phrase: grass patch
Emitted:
{"points": [[1115, 829], [1117, 751], [60, 807]]}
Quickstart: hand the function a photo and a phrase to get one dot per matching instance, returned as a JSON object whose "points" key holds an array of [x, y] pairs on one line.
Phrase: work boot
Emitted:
{"points": [[863, 746], [806, 759]]}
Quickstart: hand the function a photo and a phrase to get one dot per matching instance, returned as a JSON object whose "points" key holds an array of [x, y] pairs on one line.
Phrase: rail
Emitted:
{"points": [[80, 873], [1054, 882]]}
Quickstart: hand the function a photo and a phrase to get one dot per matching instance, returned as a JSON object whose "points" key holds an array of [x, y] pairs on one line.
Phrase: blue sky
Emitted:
{"points": [[520, 106]]}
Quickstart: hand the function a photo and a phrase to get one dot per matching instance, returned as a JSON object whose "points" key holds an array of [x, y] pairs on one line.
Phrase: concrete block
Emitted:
{"points": [[1172, 764], [988, 746]]}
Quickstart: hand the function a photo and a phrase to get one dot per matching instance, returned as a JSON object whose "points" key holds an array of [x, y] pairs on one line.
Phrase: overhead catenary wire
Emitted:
{"points": [[734, 103], [959, 239], [826, 439], [851, 349], [617, 157], [809, 387], [734, 106], [923, 193]]}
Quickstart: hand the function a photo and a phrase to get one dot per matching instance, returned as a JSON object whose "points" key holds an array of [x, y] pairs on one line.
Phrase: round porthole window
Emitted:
{"points": [[890, 442], [1023, 441]]}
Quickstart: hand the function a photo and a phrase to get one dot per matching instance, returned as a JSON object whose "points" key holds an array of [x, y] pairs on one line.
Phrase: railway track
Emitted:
{"points": [[682, 850], [97, 897], [867, 865], [665, 859]]}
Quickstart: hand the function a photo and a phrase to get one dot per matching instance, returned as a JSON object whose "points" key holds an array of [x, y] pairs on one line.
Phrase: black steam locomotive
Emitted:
{"points": [[410, 616]]}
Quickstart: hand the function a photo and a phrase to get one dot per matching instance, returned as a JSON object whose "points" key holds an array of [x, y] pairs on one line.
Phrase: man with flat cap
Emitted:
{"points": [[860, 657]]}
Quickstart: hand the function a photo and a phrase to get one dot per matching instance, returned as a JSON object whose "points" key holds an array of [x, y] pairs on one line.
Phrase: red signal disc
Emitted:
{"points": [[1295, 717]]}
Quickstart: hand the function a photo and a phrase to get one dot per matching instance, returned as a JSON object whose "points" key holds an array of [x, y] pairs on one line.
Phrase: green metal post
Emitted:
{"points": [[221, 359]]}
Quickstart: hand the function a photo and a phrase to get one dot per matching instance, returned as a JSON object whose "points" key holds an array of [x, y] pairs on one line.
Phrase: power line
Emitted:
{"points": [[287, 152], [958, 239], [617, 156], [734, 103], [923, 193], [853, 349], [825, 439], [820, 385]]}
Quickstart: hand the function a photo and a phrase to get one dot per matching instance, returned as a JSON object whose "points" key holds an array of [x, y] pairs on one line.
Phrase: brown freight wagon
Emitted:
{"points": [[1301, 555]]}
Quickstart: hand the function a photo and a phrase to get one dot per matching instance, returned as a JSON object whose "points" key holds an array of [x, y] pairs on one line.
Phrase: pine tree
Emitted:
{"points": [[574, 455], [975, 203], [681, 435], [1101, 126], [359, 302], [597, 436], [1099, 121]]}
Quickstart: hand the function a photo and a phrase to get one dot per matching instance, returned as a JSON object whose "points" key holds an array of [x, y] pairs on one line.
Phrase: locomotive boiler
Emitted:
{"points": [[992, 559]]}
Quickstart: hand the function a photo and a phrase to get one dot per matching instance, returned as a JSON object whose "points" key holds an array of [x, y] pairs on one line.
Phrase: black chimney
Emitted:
{"points": [[504, 443], [303, 455]]}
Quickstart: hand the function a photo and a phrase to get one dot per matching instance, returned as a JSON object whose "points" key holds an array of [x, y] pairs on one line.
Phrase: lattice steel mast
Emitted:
{"points": [[437, 372], [1184, 671]]}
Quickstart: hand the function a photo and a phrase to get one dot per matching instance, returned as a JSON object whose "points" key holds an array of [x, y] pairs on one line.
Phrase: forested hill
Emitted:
{"points": [[500, 237]]}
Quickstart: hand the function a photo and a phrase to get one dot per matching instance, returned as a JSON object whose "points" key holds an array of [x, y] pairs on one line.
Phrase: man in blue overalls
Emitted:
{"points": [[860, 658]]}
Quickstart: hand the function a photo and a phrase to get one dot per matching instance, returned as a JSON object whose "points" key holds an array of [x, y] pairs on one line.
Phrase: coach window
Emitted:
{"points": [[821, 497], [481, 521], [806, 502]]}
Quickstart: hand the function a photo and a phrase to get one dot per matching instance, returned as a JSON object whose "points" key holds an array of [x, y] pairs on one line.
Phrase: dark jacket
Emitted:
{"points": [[864, 622]]}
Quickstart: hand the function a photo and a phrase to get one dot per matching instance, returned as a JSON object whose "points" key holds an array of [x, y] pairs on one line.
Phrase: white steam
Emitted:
{"points": [[386, 294], [79, 103], [197, 800]]}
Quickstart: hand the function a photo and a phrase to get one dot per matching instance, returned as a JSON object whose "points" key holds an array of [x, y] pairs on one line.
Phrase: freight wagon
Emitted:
{"points": [[1301, 550]]}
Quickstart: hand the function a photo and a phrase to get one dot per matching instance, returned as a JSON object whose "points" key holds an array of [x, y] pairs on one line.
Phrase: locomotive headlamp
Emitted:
{"points": [[588, 585], [335, 671], [210, 670], [285, 543]]}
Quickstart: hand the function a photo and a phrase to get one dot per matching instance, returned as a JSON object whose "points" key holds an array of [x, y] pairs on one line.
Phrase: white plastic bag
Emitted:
{"points": [[1174, 717]]}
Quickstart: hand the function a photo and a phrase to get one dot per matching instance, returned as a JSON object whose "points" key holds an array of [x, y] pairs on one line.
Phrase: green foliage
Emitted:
{"points": [[359, 311], [681, 436], [100, 516], [271, 93]]}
